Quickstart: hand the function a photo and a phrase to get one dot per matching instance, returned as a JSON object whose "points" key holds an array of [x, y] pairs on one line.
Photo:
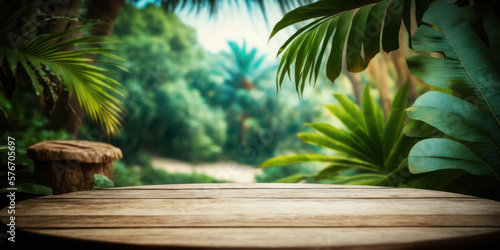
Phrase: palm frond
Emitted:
{"points": [[244, 64], [215, 5], [95, 91], [358, 27]]}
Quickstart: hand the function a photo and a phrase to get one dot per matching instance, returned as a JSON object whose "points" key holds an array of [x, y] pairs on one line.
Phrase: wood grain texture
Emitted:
{"points": [[64, 178], [69, 166], [76, 151], [278, 216], [286, 193]]}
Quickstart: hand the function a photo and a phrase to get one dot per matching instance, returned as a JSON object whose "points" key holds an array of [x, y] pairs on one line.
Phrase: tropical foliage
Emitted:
{"points": [[356, 27], [245, 67], [370, 145], [47, 62], [456, 50], [249, 101], [470, 117], [185, 103], [167, 113]]}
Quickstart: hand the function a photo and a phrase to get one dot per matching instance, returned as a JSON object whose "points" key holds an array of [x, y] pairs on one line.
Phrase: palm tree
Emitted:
{"points": [[243, 70]]}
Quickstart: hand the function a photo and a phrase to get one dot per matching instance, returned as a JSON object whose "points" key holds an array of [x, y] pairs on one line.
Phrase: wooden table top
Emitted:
{"points": [[279, 216]]}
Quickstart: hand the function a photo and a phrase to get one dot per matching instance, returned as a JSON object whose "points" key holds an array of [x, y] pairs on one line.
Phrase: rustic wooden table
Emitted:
{"points": [[278, 216]]}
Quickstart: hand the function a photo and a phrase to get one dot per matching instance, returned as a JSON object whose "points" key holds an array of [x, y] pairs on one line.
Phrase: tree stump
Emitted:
{"points": [[69, 166]]}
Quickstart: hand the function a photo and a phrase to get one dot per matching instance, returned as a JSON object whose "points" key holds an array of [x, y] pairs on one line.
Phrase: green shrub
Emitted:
{"points": [[143, 173], [373, 148], [126, 176]]}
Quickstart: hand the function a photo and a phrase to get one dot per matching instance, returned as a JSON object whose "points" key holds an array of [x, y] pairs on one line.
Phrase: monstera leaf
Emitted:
{"points": [[357, 26], [470, 118], [369, 144]]}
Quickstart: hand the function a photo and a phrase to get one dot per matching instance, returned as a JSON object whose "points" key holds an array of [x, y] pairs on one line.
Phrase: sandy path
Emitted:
{"points": [[227, 171]]}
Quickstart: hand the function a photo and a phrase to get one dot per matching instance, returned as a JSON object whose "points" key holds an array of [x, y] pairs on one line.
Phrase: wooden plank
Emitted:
{"points": [[259, 193], [248, 185], [305, 238], [257, 212], [255, 206], [263, 221], [311, 216]]}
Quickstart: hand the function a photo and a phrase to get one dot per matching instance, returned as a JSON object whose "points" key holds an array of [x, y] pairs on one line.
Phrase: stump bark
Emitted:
{"points": [[69, 166]]}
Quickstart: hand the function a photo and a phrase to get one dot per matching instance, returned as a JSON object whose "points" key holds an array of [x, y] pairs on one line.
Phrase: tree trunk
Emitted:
{"points": [[67, 113], [356, 86], [106, 11], [378, 72], [243, 127], [399, 59]]}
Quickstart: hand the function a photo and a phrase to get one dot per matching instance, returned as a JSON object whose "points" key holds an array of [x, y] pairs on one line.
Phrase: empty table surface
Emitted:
{"points": [[278, 216]]}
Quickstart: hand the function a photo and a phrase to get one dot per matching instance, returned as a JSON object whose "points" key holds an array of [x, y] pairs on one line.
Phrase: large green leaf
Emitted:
{"points": [[416, 128], [354, 58], [468, 68], [488, 152], [392, 24], [453, 116], [436, 154], [371, 40], [318, 9], [334, 63], [449, 74], [473, 55], [432, 39], [373, 21]]}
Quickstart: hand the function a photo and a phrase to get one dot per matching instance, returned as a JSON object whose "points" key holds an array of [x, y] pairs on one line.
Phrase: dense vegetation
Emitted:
{"points": [[149, 88], [457, 126], [179, 101], [185, 103]]}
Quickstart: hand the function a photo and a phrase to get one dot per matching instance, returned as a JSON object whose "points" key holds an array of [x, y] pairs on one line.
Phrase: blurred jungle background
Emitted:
{"points": [[188, 91]]}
